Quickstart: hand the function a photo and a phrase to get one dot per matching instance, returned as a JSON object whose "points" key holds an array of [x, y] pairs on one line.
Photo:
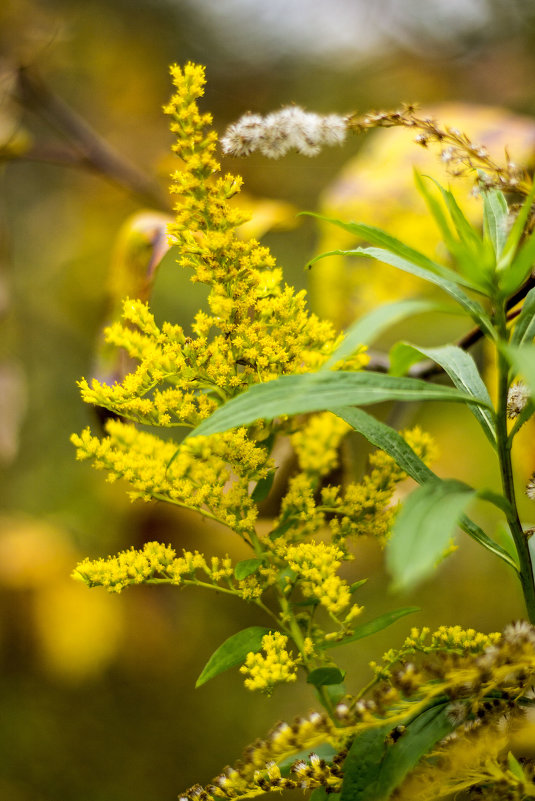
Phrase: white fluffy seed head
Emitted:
{"points": [[280, 131]]}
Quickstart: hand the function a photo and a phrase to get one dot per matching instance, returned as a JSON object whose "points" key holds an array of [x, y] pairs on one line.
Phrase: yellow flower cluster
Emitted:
{"points": [[361, 509], [257, 329], [158, 564], [316, 443], [316, 564], [276, 665], [209, 474], [445, 640]]}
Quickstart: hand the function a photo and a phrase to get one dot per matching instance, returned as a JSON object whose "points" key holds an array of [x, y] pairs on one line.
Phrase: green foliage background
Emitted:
{"points": [[96, 696]]}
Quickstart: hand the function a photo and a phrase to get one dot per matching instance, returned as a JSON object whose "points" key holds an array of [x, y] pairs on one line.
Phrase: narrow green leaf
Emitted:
{"points": [[365, 330], [325, 675], [263, 487], [477, 534], [246, 568], [356, 585], [516, 768], [419, 738], [516, 232], [233, 652], [436, 211], [423, 529], [472, 307], [384, 437], [495, 218], [514, 276], [376, 236], [524, 330], [372, 626], [462, 370], [314, 392], [387, 439]]}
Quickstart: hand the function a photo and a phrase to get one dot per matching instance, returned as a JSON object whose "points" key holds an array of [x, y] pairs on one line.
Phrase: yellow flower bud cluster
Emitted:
{"points": [[274, 666], [316, 564], [209, 474], [158, 564], [316, 443], [362, 508]]}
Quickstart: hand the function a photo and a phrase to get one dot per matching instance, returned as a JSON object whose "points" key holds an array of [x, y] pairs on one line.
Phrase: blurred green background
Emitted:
{"points": [[96, 694]]}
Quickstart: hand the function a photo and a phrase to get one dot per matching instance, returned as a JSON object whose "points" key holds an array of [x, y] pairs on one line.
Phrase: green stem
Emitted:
{"points": [[506, 470]]}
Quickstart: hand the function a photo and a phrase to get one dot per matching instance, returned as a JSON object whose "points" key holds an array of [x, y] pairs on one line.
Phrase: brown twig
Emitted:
{"points": [[86, 148]]}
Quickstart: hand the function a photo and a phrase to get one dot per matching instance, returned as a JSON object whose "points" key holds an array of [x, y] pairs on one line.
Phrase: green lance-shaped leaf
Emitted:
{"points": [[495, 219], [233, 652], [449, 285], [371, 627], [514, 276], [462, 370], [376, 236], [386, 438], [315, 392], [365, 330], [524, 330], [424, 528], [375, 766], [419, 738]]}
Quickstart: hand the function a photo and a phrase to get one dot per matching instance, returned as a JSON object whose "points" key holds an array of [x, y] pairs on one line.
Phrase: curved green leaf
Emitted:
{"points": [[423, 529], [372, 626], [462, 370], [233, 652], [315, 392], [365, 330], [325, 675], [376, 236], [495, 217], [474, 309]]}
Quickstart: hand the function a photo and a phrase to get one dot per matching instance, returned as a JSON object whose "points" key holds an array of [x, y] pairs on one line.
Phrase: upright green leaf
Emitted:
{"points": [[495, 218], [233, 652], [516, 273], [424, 528], [314, 392], [516, 232], [524, 330]]}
